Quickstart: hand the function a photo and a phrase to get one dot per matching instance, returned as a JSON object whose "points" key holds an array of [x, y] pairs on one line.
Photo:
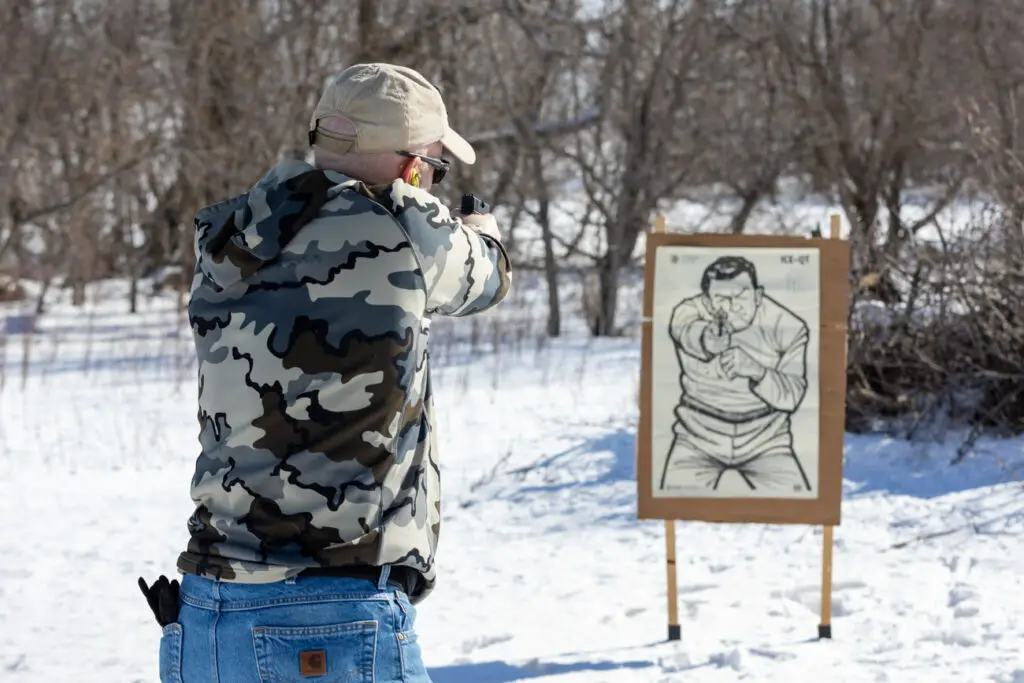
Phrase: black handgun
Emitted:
{"points": [[473, 204], [721, 317]]}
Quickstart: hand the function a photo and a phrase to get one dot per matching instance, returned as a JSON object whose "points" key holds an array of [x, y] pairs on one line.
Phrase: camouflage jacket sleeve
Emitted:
{"points": [[465, 271]]}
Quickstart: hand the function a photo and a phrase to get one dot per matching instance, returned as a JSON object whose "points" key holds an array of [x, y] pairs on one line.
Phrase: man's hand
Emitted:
{"points": [[716, 342], [482, 223], [738, 363]]}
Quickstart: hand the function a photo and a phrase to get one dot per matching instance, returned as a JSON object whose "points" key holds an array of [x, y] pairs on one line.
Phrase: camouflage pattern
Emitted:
{"points": [[310, 309]]}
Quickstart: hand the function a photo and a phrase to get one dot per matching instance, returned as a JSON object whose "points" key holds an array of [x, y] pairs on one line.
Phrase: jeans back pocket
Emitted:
{"points": [[337, 653], [170, 654]]}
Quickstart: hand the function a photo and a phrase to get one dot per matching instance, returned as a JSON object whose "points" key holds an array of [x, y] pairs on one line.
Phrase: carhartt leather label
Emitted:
{"points": [[313, 663]]}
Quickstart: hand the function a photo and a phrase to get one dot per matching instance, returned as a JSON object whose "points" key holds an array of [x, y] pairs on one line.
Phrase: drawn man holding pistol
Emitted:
{"points": [[743, 359]]}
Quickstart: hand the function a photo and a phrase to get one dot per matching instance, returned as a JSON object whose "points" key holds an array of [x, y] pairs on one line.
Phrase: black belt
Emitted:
{"points": [[405, 579]]}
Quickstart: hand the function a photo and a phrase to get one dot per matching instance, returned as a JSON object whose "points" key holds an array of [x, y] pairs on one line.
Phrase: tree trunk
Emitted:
{"points": [[550, 273], [608, 274]]}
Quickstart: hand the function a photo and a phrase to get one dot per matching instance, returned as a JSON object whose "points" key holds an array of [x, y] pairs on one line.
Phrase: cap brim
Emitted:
{"points": [[457, 145]]}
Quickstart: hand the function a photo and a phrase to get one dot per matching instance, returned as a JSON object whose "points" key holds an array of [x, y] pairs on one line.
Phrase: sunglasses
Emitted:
{"points": [[440, 166]]}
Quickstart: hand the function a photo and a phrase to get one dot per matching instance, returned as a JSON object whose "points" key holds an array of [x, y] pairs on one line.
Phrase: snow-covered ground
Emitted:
{"points": [[545, 574]]}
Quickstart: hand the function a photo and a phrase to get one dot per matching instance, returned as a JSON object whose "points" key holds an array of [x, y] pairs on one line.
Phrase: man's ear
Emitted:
{"points": [[410, 172], [706, 300], [758, 295]]}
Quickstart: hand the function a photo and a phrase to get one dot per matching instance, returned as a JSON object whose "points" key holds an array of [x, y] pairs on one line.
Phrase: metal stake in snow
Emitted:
{"points": [[743, 386]]}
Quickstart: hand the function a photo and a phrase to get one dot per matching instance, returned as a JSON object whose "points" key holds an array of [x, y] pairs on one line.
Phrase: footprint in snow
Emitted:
{"points": [[843, 604], [1016, 677], [962, 600], [484, 642], [728, 660]]}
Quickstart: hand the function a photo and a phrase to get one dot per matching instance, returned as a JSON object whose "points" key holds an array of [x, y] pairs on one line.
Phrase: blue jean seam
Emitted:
{"points": [[213, 633], [246, 605]]}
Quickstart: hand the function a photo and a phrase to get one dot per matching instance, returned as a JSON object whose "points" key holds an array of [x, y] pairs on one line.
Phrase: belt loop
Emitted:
{"points": [[385, 574]]}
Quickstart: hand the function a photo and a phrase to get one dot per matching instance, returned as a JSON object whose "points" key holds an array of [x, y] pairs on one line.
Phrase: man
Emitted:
{"points": [[317, 490], [743, 361]]}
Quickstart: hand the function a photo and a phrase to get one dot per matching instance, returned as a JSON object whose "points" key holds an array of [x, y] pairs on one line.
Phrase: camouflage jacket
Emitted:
{"points": [[310, 310]]}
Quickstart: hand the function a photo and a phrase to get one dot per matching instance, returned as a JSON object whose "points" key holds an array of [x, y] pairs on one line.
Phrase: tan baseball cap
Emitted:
{"points": [[394, 108]]}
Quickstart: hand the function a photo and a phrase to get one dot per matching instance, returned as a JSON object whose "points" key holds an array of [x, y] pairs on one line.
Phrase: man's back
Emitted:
{"points": [[310, 310]]}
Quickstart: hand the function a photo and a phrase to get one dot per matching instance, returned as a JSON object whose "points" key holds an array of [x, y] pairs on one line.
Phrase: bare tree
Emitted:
{"points": [[751, 125], [871, 79], [546, 38], [647, 87], [995, 107]]}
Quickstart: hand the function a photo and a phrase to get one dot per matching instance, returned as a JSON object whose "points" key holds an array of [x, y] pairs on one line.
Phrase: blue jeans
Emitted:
{"points": [[317, 629]]}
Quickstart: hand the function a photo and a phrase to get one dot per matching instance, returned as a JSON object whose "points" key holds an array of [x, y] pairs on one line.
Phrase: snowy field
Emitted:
{"points": [[545, 574]]}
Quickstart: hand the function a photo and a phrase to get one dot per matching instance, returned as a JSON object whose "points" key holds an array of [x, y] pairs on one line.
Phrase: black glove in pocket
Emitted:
{"points": [[162, 597]]}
